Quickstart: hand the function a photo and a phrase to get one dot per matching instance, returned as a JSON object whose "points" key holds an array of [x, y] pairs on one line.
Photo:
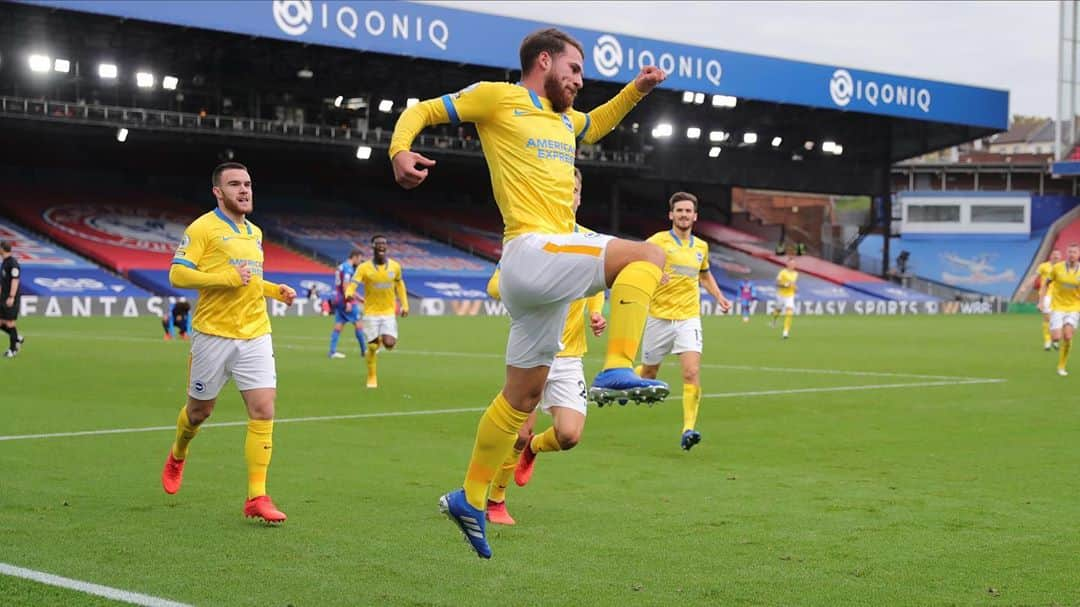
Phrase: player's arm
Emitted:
{"points": [[595, 307], [1043, 287], [280, 292], [14, 284], [401, 293], [713, 289], [473, 104], [595, 125], [184, 273]]}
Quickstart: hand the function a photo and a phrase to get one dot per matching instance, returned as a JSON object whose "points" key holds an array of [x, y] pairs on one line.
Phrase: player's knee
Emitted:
{"points": [[690, 375], [653, 254], [199, 413], [568, 438], [389, 342]]}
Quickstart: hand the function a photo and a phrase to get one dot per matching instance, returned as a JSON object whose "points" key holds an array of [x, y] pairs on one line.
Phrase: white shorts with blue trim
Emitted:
{"points": [[565, 386], [663, 337]]}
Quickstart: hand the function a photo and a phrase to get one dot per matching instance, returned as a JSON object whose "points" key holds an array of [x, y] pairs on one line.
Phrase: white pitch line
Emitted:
{"points": [[108, 592], [283, 343], [323, 418], [855, 388], [286, 420]]}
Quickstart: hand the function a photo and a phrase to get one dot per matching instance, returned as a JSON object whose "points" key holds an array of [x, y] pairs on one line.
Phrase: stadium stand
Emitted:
{"points": [[993, 266], [134, 234], [49, 269]]}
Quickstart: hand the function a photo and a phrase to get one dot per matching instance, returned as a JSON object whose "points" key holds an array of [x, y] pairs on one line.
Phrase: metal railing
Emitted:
{"points": [[258, 128]]}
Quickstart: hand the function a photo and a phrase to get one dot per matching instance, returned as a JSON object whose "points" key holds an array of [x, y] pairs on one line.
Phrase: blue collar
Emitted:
{"points": [[679, 242], [532, 95], [225, 218]]}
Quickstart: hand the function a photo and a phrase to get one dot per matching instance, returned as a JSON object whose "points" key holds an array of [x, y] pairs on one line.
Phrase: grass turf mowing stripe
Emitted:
{"points": [[115, 594]]}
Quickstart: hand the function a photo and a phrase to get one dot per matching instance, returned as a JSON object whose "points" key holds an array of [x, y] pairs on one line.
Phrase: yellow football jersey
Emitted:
{"points": [[786, 277], [213, 244], [1066, 283], [684, 261], [1045, 272], [381, 285], [530, 149]]}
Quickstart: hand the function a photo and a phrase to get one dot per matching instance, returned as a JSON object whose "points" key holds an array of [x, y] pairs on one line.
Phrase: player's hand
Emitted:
{"points": [[348, 306], [287, 293], [597, 323], [649, 78], [245, 273], [404, 313], [724, 303], [665, 278], [10, 301], [410, 168]]}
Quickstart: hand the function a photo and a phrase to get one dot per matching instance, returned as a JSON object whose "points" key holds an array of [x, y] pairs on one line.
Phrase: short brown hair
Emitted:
{"points": [[356, 252], [215, 177], [5, 245], [679, 197], [551, 41]]}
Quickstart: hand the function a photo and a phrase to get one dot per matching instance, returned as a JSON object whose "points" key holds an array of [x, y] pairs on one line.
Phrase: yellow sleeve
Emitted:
{"points": [[595, 125], [192, 246], [399, 289], [272, 289], [657, 238], [595, 304], [357, 279], [471, 104], [493, 285], [780, 279], [183, 276], [704, 256]]}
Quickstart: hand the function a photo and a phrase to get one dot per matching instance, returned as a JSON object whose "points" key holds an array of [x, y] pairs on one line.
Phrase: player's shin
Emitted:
{"points": [[787, 321], [502, 477], [546, 441], [334, 336], [362, 340], [1063, 353], [185, 433], [630, 296], [258, 447], [690, 404], [495, 436]]}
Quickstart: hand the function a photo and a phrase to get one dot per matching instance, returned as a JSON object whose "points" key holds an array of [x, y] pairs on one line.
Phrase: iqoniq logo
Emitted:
{"points": [[609, 57], [293, 16], [843, 88]]}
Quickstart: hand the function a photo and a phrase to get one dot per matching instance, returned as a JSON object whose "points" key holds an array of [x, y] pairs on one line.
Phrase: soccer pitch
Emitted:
{"points": [[865, 461]]}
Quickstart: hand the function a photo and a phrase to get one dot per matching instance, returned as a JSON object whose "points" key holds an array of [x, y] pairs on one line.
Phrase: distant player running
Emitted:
{"points": [[346, 311], [10, 298], [674, 325], [221, 255], [177, 319], [384, 295], [564, 397], [1065, 302], [1042, 276], [785, 295], [747, 296], [530, 134]]}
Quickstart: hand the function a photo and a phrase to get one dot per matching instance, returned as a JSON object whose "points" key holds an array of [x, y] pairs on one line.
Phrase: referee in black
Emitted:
{"points": [[10, 277]]}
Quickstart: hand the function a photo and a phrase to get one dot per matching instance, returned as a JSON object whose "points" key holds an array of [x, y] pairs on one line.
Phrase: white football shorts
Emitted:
{"points": [[541, 275], [785, 303], [249, 362], [375, 326], [1060, 319], [663, 337], [565, 386]]}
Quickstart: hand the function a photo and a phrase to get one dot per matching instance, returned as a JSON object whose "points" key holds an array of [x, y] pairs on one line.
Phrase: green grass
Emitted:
{"points": [[926, 495]]}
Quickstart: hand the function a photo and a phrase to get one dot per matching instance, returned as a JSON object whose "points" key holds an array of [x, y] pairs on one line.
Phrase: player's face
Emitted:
{"points": [[1055, 256], [379, 246], [577, 193], [1073, 254], [683, 215], [235, 191], [563, 78], [791, 264]]}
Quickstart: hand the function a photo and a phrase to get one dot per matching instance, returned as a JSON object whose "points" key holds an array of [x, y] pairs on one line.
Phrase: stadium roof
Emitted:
{"points": [[404, 49], [448, 34]]}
